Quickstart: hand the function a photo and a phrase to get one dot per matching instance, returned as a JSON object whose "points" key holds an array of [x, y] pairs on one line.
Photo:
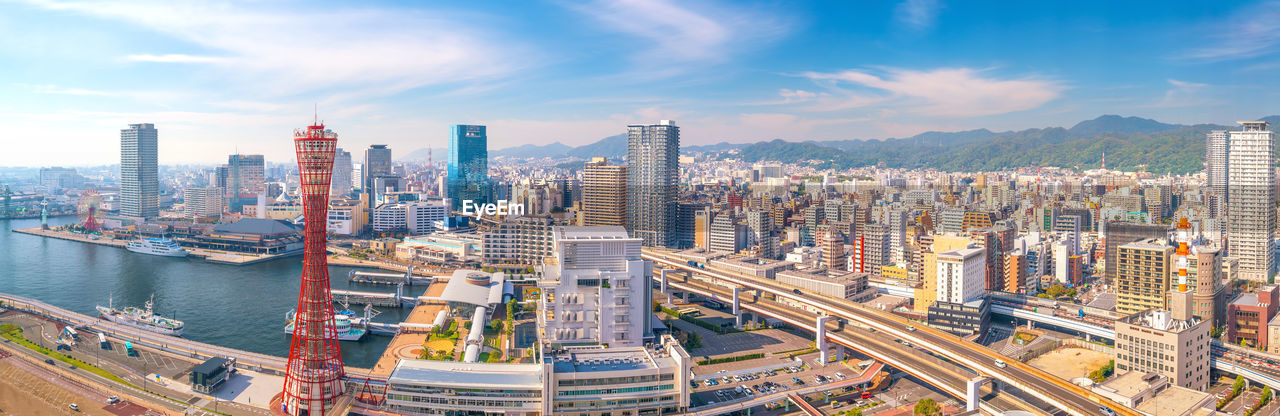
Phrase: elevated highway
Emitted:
{"points": [[946, 376], [1059, 393]]}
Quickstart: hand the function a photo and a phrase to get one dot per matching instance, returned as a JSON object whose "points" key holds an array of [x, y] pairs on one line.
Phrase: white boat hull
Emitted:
{"points": [[181, 253], [130, 323]]}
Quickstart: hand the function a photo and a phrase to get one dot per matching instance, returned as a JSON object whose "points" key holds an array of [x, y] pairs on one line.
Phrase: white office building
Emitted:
{"points": [[139, 181], [417, 218], [595, 290], [962, 275]]}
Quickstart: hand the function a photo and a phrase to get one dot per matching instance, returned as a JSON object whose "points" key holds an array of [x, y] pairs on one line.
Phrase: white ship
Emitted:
{"points": [[141, 318], [157, 247], [342, 322]]}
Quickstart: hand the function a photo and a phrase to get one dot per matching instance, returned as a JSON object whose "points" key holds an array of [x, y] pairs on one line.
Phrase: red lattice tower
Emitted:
{"points": [[315, 371]]}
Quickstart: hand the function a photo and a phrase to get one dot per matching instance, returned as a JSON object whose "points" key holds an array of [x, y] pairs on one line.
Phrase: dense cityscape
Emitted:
{"points": [[939, 242]]}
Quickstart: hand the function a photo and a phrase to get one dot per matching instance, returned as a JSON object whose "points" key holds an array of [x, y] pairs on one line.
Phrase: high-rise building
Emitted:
{"points": [[1142, 275], [1119, 233], [313, 375], [595, 289], [962, 275], [202, 202], [653, 175], [139, 181], [468, 165], [760, 227], [604, 193], [246, 178], [727, 233], [1215, 169], [518, 242], [342, 170], [1251, 200], [377, 162], [687, 224], [831, 245]]}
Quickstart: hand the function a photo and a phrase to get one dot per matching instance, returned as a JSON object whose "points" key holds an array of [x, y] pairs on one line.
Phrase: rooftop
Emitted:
{"points": [[591, 359], [256, 226], [1161, 320], [467, 375], [460, 290], [591, 233], [1133, 383]]}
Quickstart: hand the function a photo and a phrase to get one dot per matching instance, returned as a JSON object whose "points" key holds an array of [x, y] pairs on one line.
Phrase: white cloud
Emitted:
{"points": [[918, 15], [946, 92], [1250, 32], [684, 32], [284, 52]]}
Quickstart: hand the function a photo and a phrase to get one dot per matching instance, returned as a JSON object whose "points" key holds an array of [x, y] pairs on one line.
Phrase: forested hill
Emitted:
{"points": [[1130, 143]]}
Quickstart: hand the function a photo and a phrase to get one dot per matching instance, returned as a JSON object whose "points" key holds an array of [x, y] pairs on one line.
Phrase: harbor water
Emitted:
{"points": [[240, 307]]}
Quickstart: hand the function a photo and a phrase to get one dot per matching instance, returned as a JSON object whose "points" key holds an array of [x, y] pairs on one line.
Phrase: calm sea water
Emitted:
{"points": [[239, 307]]}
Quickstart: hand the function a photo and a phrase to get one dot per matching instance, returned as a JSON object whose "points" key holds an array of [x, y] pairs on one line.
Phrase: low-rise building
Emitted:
{"points": [[1157, 341], [1152, 394], [838, 284], [1248, 315], [518, 242], [751, 265]]}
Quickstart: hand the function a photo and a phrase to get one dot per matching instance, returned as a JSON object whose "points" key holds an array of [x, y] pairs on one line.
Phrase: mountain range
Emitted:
{"points": [[1130, 143]]}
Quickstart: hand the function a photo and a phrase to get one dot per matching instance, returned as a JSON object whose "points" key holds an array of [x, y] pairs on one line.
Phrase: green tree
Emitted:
{"points": [[1266, 396], [927, 407], [1237, 386]]}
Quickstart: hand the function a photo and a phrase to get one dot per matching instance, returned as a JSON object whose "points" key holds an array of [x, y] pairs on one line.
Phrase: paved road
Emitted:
{"points": [[943, 375], [1060, 393]]}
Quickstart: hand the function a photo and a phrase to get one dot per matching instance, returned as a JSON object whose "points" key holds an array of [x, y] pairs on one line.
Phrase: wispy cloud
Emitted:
{"points": [[304, 49], [1183, 94], [946, 92], [1249, 33], [172, 58], [684, 32], [918, 15], [54, 89]]}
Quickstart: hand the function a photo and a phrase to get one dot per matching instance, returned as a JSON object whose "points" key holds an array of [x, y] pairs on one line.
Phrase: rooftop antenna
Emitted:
{"points": [[315, 114]]}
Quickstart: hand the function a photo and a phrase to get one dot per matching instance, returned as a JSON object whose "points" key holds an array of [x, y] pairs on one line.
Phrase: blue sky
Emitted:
{"points": [[217, 77]]}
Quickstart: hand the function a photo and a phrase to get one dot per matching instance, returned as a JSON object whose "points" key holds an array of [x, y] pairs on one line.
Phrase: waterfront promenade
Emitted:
{"points": [[212, 256], [248, 360]]}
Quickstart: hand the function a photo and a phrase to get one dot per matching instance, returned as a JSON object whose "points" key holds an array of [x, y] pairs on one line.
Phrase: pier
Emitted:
{"points": [[380, 278], [397, 299]]}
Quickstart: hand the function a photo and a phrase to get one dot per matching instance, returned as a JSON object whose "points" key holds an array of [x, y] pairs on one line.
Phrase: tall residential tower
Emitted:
{"points": [[653, 175], [604, 193], [1251, 199], [139, 182], [1215, 169]]}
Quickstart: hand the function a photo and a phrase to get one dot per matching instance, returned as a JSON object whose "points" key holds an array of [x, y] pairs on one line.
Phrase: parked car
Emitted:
{"points": [[74, 406], [113, 400]]}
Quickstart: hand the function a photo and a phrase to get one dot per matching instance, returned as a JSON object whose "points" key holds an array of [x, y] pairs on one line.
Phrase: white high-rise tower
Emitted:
{"points": [[1215, 169], [139, 182], [1251, 199]]}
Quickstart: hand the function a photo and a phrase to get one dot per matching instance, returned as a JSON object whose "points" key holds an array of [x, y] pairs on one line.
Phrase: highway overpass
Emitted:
{"points": [[1055, 391]]}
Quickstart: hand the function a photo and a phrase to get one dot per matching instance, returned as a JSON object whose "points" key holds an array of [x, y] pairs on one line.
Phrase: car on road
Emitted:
{"points": [[1107, 411], [1000, 363], [835, 404], [911, 328], [49, 362], [113, 400], [74, 406], [796, 291]]}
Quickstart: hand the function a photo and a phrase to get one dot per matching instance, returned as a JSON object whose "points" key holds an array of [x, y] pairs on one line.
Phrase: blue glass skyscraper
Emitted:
{"points": [[468, 165]]}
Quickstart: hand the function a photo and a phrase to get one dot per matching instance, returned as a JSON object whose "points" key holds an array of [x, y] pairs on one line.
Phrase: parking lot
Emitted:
{"points": [[88, 350], [709, 388]]}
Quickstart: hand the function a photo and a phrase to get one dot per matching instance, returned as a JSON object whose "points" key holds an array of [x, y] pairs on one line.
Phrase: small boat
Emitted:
{"points": [[157, 247], [144, 318], [341, 322]]}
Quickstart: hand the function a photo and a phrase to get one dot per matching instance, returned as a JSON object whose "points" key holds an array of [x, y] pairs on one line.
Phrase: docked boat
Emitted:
{"points": [[157, 247], [143, 318], [342, 322]]}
